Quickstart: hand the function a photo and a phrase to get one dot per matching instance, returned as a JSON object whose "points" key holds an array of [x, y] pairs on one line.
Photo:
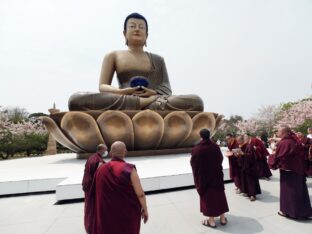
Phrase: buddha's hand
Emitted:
{"points": [[130, 91], [146, 92]]}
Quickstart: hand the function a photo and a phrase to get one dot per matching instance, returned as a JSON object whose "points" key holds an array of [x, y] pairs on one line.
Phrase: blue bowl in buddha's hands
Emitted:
{"points": [[139, 81]]}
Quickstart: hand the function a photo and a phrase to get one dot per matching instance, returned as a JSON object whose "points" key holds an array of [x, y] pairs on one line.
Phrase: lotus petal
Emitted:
{"points": [[82, 129], [200, 121], [59, 135], [116, 126], [178, 126], [219, 119], [148, 128]]}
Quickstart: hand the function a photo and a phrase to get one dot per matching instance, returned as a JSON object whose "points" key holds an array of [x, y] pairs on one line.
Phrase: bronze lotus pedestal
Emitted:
{"points": [[145, 132]]}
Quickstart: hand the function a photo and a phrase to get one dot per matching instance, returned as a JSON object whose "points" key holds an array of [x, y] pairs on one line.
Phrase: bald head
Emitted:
{"points": [[283, 131], [118, 149], [246, 137], [300, 135], [240, 139], [101, 148]]}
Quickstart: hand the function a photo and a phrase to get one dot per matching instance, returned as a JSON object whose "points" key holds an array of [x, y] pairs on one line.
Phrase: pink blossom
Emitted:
{"points": [[24, 127], [296, 114]]}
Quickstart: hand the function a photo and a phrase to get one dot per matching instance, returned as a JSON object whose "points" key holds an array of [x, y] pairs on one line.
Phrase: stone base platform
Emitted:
{"points": [[63, 173]]}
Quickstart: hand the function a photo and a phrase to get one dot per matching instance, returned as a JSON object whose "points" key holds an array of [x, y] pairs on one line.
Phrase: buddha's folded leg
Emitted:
{"points": [[177, 103], [84, 101]]}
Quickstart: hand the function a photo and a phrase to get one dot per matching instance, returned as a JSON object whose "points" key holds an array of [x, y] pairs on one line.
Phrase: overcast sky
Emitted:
{"points": [[236, 54]]}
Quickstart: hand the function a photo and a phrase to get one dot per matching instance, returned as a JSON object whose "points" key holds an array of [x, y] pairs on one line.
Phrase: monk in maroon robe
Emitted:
{"points": [[263, 169], [250, 185], [233, 161], [119, 198], [306, 143], [309, 169], [206, 162], [289, 158], [91, 166]]}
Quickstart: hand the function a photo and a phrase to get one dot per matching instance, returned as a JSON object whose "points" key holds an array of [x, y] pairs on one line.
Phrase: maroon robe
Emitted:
{"points": [[263, 169], [294, 195], [249, 177], [206, 162], [306, 143], [233, 163], [89, 172], [117, 207], [309, 162]]}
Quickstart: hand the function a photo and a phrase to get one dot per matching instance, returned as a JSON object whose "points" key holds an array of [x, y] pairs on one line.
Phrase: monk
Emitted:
{"points": [[91, 166], [206, 162], [119, 198], [250, 185], [273, 141], [130, 63], [233, 163], [263, 169], [306, 143], [309, 170], [289, 159]]}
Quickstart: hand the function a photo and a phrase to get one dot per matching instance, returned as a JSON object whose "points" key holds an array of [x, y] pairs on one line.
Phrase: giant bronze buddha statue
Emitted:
{"points": [[146, 116], [134, 62]]}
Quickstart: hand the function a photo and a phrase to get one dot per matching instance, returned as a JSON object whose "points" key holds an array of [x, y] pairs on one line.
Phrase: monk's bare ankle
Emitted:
{"points": [[211, 221]]}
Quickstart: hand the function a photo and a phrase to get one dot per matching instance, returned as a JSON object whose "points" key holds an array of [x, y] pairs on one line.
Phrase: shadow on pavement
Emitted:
{"points": [[267, 197], [240, 225]]}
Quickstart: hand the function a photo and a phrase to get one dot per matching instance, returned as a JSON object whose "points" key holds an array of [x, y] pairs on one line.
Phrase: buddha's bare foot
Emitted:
{"points": [[144, 102]]}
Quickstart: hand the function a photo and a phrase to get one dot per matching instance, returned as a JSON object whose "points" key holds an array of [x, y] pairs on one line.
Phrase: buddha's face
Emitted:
{"points": [[135, 33]]}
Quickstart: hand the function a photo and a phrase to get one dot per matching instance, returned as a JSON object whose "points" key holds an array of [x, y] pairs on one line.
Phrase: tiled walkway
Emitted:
{"points": [[170, 213]]}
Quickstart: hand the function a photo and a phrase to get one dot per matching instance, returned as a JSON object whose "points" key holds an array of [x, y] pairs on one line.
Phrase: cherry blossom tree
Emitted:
{"points": [[267, 117], [297, 114], [20, 134]]}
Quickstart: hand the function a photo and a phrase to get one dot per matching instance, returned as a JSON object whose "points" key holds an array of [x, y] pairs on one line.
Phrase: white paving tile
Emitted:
{"points": [[175, 212], [63, 173]]}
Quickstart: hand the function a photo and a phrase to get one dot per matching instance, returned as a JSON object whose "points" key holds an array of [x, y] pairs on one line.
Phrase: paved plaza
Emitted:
{"points": [[175, 212]]}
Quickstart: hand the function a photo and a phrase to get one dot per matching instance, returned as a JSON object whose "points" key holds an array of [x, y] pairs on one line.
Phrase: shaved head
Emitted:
{"points": [[246, 137], [283, 131], [118, 149], [101, 147], [229, 137], [240, 139], [286, 128], [300, 135]]}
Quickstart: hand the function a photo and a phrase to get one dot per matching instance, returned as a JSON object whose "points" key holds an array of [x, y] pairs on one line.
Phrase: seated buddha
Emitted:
{"points": [[134, 62]]}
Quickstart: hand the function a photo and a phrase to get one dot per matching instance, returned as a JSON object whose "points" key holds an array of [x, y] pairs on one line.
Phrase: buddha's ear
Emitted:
{"points": [[124, 33]]}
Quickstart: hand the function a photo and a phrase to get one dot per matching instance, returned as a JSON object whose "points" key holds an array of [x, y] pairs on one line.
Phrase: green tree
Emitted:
{"points": [[16, 114], [303, 128], [36, 115], [230, 124]]}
